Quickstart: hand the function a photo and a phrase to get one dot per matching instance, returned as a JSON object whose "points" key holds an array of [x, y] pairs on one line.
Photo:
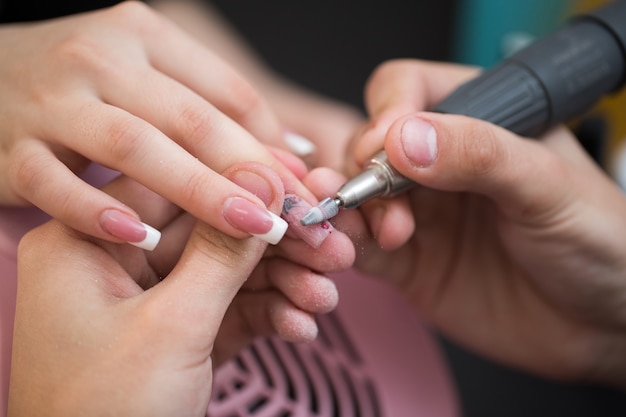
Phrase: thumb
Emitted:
{"points": [[462, 154], [214, 266], [212, 269]]}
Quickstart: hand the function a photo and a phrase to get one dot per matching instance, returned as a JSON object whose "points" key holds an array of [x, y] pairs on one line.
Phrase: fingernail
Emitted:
{"points": [[124, 227], [419, 142], [298, 144], [254, 183], [259, 222], [294, 208]]}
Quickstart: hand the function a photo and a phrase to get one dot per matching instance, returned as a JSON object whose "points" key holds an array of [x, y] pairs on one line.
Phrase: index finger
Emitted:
{"points": [[400, 87], [175, 53]]}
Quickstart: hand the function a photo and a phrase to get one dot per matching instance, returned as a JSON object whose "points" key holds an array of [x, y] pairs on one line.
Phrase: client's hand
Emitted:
{"points": [[126, 88], [110, 329]]}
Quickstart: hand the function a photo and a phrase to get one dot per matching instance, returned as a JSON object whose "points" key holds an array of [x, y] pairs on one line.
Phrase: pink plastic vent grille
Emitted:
{"points": [[272, 378]]}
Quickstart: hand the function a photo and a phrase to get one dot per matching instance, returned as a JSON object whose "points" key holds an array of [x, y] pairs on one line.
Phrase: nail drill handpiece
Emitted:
{"points": [[551, 81]]}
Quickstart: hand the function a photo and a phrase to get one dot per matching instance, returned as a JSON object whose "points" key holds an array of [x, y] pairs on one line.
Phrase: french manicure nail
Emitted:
{"points": [[298, 144], [259, 222], [124, 227], [419, 142]]}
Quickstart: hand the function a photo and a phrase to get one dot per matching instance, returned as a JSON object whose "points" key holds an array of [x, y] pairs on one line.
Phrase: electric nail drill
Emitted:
{"points": [[551, 81]]}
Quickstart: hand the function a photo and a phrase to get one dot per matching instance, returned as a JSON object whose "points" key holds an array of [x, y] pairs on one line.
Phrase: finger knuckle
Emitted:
{"points": [[88, 47], [196, 187], [232, 259], [26, 255], [84, 52], [29, 172], [218, 246], [480, 150], [196, 127], [79, 49], [388, 85], [134, 14], [125, 141], [246, 100], [133, 8], [390, 67]]}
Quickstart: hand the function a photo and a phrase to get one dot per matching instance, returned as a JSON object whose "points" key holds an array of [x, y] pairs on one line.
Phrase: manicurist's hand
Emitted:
{"points": [[109, 329], [128, 89], [511, 246]]}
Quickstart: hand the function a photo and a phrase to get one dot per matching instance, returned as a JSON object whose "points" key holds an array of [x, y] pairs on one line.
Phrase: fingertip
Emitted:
{"points": [[412, 145], [294, 208], [452, 152], [276, 232], [323, 182], [418, 139], [326, 298], [151, 239], [294, 325], [391, 222], [318, 294], [128, 228], [375, 214], [397, 228], [299, 145]]}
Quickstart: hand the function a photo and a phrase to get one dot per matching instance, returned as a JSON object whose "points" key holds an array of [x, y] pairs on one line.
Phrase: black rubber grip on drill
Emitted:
{"points": [[553, 80], [508, 95]]}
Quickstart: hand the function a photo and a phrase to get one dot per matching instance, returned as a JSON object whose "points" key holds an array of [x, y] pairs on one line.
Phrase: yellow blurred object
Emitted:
{"points": [[613, 107]]}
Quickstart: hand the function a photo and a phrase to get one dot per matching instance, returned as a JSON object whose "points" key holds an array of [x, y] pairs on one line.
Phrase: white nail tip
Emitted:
{"points": [[299, 144], [153, 236], [276, 233]]}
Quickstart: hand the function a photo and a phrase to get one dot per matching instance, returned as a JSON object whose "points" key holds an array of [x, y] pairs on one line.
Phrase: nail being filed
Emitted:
{"points": [[294, 208]]}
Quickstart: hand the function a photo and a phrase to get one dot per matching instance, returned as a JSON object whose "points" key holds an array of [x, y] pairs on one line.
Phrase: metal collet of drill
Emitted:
{"points": [[551, 81]]}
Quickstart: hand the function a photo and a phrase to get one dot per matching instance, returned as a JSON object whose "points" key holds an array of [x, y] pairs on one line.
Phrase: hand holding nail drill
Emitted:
{"points": [[513, 248], [550, 82]]}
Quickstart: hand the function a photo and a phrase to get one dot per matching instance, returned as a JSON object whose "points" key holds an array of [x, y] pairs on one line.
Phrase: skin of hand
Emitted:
{"points": [[326, 122], [108, 329], [126, 88], [512, 247]]}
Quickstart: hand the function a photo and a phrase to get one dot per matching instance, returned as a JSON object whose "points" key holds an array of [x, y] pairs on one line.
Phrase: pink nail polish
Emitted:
{"points": [[294, 208], [124, 227], [250, 218]]}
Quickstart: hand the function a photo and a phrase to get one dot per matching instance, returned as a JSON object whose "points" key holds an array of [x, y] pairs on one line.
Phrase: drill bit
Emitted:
{"points": [[327, 208], [378, 179]]}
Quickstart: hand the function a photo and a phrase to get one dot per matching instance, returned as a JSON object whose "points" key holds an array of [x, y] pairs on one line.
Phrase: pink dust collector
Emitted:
{"points": [[373, 358]]}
